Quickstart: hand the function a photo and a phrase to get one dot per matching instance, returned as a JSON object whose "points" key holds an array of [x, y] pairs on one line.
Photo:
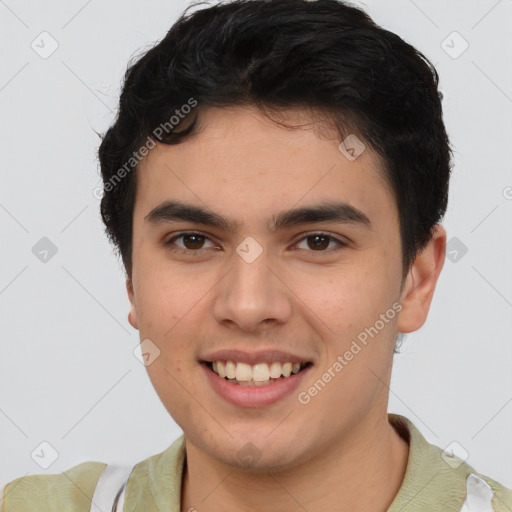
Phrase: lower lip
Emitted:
{"points": [[254, 396]]}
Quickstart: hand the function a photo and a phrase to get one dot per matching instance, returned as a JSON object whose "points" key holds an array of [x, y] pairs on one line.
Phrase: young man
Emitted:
{"points": [[274, 183]]}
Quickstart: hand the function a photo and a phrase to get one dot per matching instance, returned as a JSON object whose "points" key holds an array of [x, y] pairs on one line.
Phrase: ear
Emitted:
{"points": [[132, 315], [420, 283]]}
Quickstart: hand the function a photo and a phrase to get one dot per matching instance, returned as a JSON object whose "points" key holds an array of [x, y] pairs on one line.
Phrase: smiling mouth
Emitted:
{"points": [[261, 374]]}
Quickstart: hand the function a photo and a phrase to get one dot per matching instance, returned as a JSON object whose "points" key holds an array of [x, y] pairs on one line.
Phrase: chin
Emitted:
{"points": [[257, 452], [252, 459]]}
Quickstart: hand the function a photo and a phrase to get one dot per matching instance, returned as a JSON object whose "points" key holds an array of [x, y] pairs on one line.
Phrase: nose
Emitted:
{"points": [[252, 296]]}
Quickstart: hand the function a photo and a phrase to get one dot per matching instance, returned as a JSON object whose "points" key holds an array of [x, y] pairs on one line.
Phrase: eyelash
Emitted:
{"points": [[341, 244]]}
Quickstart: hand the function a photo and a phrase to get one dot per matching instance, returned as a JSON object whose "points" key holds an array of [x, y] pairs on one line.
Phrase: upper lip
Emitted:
{"points": [[252, 358]]}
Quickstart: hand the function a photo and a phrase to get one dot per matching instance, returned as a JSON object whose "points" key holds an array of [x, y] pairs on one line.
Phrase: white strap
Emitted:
{"points": [[119, 501], [478, 495], [111, 484]]}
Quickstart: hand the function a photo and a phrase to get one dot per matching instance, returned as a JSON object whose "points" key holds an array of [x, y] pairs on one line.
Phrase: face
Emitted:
{"points": [[254, 286]]}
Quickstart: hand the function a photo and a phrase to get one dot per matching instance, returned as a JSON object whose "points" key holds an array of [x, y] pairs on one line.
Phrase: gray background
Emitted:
{"points": [[68, 374]]}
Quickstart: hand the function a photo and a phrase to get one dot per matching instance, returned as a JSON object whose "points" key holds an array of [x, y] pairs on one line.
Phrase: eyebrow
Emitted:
{"points": [[326, 211]]}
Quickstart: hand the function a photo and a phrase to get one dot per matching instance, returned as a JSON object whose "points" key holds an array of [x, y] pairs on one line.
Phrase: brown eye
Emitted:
{"points": [[319, 242], [190, 242], [193, 241]]}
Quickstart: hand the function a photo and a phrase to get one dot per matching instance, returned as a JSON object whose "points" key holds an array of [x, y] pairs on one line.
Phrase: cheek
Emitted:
{"points": [[173, 389], [166, 296], [171, 304], [347, 303], [342, 297]]}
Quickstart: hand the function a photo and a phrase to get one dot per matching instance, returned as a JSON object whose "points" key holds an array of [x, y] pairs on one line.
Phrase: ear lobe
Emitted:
{"points": [[421, 282], [132, 314]]}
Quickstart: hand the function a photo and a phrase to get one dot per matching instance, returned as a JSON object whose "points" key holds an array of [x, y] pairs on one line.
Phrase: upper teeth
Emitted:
{"points": [[258, 372]]}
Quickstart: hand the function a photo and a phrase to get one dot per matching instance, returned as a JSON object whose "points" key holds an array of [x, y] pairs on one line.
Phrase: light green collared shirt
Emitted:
{"points": [[433, 481]]}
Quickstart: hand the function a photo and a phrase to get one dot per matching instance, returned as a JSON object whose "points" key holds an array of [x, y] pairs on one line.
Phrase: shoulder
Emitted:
{"points": [[477, 487], [481, 488], [157, 477], [71, 490], [436, 479]]}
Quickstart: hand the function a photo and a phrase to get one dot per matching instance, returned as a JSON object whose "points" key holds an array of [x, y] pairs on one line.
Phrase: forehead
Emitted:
{"points": [[241, 161]]}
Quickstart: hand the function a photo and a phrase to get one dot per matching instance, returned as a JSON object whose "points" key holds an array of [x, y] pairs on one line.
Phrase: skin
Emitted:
{"points": [[294, 296]]}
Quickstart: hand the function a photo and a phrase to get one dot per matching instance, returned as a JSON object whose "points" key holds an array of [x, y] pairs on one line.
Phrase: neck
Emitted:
{"points": [[358, 474]]}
